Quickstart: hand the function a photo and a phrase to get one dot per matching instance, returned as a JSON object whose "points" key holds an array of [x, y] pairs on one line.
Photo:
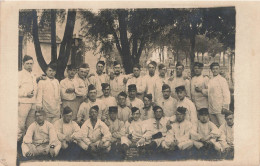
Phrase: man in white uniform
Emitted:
{"points": [[108, 100], [133, 101], [147, 110], [26, 95], [124, 112], [150, 78]]}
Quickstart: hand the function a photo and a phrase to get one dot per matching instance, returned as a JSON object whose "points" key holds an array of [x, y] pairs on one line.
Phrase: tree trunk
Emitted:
{"points": [[66, 44], [219, 58], [192, 52], [197, 56], [224, 61], [202, 57], [36, 42], [162, 50], [53, 36], [20, 53]]}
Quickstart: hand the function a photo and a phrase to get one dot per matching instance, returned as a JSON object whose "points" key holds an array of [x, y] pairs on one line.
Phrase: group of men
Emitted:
{"points": [[98, 112]]}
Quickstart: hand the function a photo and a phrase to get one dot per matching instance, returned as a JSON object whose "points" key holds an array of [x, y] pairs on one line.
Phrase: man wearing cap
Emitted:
{"points": [[218, 96], [68, 94], [117, 80], [68, 133], [150, 78], [116, 127], [83, 113], [41, 138], [99, 78], [191, 114], [160, 81], [168, 103], [48, 94], [180, 80], [124, 112], [133, 101], [147, 110], [107, 98], [81, 83], [199, 85], [26, 95], [96, 136], [179, 135], [138, 80], [206, 133]]}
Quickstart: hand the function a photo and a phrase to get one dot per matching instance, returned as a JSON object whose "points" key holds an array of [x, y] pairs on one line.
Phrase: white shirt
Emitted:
{"points": [[116, 128], [228, 132], [168, 105], [202, 130], [134, 128], [80, 86], [109, 101], [179, 81], [97, 80], [117, 85], [199, 99], [147, 113], [139, 82], [158, 87], [191, 113], [124, 113], [218, 94], [135, 103], [150, 81], [180, 131], [66, 129], [64, 85]]}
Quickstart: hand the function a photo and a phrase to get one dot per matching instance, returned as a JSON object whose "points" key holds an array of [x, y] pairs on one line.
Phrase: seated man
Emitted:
{"points": [[206, 133], [116, 127], [124, 112], [41, 138], [179, 135], [147, 110], [133, 131], [108, 100], [68, 134], [133, 101], [95, 134]]}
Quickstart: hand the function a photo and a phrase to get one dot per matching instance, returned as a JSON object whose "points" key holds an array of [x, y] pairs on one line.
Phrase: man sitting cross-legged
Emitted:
{"points": [[68, 134], [41, 138]]}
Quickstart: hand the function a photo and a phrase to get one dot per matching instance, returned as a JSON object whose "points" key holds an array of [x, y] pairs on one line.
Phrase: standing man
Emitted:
{"points": [[138, 80], [117, 80], [26, 95], [99, 78], [133, 101], [218, 96], [68, 94], [151, 78], [48, 96], [180, 80], [199, 85]]}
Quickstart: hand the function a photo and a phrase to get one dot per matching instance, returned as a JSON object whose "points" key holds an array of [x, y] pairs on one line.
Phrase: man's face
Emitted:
{"points": [[106, 91], [83, 72], [93, 114], [67, 118], [121, 101], [136, 115], [147, 102], [71, 73], [50, 73], [132, 93], [204, 118], [39, 118], [166, 93], [197, 70], [117, 69], [181, 94], [113, 115], [27, 65], [162, 72], [136, 72], [179, 70], [179, 116], [100, 68], [92, 94], [215, 70], [230, 120], [151, 69], [158, 114]]}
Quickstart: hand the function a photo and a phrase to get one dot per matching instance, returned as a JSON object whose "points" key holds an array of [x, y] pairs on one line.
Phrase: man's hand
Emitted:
{"points": [[30, 94], [141, 142], [198, 89]]}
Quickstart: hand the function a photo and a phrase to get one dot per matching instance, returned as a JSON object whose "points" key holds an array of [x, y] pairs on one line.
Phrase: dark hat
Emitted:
{"points": [[66, 110], [95, 107], [52, 65], [91, 87], [137, 66], [113, 109], [27, 58], [134, 109], [203, 111], [148, 96], [156, 108], [214, 64], [181, 110], [132, 87], [122, 94], [153, 63], [179, 64], [105, 85], [198, 64], [101, 62], [161, 66], [70, 67], [116, 63], [165, 86], [229, 113], [84, 66], [180, 88]]}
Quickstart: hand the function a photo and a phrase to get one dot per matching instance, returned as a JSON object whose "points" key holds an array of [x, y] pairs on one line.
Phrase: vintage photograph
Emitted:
{"points": [[128, 84]]}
